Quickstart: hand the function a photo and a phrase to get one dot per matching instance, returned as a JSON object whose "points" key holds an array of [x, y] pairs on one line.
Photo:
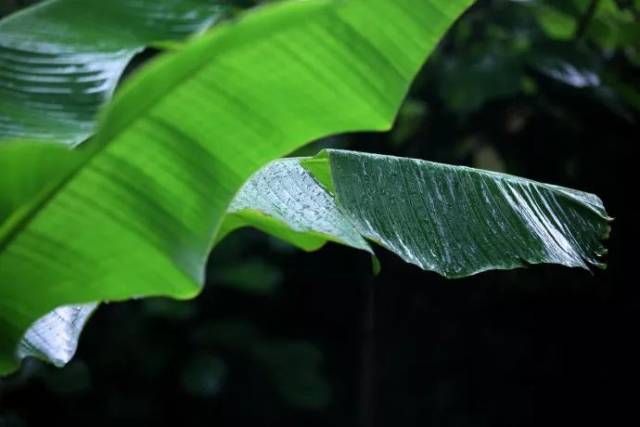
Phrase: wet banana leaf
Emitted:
{"points": [[139, 214], [285, 200], [61, 59], [453, 220]]}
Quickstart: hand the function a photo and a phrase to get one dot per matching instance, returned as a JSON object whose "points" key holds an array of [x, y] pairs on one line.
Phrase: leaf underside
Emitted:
{"points": [[54, 337], [138, 214]]}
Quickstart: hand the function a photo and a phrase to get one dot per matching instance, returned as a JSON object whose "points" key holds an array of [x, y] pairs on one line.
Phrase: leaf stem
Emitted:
{"points": [[585, 20]]}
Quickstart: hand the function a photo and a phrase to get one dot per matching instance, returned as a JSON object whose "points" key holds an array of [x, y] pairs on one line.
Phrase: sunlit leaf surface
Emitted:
{"points": [[139, 215]]}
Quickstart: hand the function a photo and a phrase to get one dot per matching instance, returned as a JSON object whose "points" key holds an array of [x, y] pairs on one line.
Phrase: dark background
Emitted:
{"points": [[543, 89]]}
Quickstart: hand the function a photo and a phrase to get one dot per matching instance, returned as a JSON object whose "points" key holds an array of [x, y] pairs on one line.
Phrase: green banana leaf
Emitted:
{"points": [[453, 220], [138, 214], [285, 200], [61, 59]]}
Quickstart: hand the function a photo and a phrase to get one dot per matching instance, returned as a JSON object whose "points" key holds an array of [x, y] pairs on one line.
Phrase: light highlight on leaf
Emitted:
{"points": [[139, 216], [454, 220], [61, 59]]}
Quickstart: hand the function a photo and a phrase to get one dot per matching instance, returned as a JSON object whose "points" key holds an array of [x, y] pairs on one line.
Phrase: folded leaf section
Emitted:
{"points": [[285, 200]]}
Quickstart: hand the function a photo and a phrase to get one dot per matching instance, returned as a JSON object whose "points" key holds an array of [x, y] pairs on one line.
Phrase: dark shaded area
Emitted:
{"points": [[276, 338]]}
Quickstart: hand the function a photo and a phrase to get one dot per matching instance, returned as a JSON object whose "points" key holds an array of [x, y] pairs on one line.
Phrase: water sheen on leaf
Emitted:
{"points": [[453, 220], [61, 59], [285, 200]]}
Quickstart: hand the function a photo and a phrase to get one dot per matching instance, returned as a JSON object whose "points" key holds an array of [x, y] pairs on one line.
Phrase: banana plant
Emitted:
{"points": [[111, 199]]}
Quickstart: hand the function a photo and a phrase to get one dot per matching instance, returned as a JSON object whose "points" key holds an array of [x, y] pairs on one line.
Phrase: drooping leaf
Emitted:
{"points": [[61, 59], [454, 220], [138, 216]]}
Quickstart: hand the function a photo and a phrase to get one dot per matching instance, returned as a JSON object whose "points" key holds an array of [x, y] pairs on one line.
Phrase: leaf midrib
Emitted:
{"points": [[97, 145]]}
